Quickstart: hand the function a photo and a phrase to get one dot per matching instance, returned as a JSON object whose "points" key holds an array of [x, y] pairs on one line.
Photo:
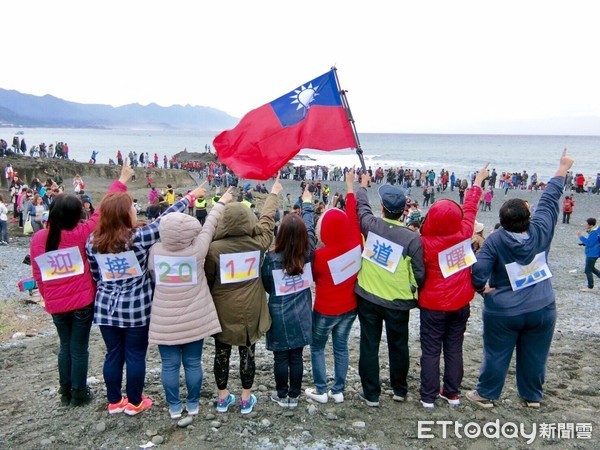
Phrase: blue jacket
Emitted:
{"points": [[592, 243], [291, 314], [502, 248]]}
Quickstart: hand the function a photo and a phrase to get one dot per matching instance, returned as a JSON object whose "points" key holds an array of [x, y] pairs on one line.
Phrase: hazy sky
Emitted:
{"points": [[409, 66]]}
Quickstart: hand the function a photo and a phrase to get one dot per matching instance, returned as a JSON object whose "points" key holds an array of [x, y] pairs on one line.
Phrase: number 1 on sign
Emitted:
{"points": [[237, 267], [231, 264]]}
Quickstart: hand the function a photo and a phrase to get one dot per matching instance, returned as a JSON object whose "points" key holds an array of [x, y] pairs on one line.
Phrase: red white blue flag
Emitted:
{"points": [[311, 116]]}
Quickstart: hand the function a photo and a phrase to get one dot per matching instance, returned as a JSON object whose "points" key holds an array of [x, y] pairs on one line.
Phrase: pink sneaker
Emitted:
{"points": [[118, 407], [132, 410]]}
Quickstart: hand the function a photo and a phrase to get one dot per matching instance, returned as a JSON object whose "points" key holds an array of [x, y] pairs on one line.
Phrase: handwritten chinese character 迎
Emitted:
{"points": [[61, 263]]}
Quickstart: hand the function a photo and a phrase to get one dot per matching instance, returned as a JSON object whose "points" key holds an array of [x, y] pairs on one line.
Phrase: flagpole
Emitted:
{"points": [[342, 92]]}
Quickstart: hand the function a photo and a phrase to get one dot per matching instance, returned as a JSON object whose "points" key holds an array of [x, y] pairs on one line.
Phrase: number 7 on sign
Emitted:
{"points": [[238, 267]]}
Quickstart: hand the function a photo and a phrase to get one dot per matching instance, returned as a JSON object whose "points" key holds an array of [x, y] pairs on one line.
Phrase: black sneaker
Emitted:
{"points": [[65, 395], [81, 396]]}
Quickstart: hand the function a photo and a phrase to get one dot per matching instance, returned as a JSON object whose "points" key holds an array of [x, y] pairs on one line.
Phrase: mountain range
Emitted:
{"points": [[25, 110]]}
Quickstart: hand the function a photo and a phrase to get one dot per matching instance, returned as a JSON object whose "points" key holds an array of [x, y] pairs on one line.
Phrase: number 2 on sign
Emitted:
{"points": [[237, 267], [176, 271]]}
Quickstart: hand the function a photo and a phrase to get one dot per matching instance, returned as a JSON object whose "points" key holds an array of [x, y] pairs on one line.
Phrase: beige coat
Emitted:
{"points": [[183, 314], [242, 307]]}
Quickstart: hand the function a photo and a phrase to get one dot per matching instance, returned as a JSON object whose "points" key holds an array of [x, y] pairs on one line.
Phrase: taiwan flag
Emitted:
{"points": [[311, 116]]}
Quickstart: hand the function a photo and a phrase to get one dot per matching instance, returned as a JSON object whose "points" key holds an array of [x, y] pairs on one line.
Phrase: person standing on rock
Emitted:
{"points": [[519, 308], [391, 272], [335, 270], [445, 296], [64, 278], [287, 278], [592, 252], [233, 273], [183, 311], [118, 254]]}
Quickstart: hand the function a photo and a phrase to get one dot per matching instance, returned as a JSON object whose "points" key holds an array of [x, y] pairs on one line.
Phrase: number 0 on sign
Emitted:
{"points": [[175, 270], [238, 267]]}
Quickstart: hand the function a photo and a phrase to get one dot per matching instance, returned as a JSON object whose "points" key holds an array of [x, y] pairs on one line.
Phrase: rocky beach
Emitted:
{"points": [[31, 416]]}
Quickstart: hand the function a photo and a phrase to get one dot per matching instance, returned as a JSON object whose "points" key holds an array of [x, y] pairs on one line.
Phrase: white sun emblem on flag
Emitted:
{"points": [[304, 96]]}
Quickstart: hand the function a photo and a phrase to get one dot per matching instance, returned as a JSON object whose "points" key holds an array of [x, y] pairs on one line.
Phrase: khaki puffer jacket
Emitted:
{"points": [[183, 314], [242, 306]]}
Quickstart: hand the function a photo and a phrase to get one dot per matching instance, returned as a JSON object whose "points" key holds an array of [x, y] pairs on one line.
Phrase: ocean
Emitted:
{"points": [[461, 154]]}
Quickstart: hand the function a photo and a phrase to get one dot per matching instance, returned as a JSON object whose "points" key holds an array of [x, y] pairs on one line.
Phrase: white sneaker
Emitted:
{"points": [[427, 405], [452, 400], [338, 398], [192, 411], [587, 290], [312, 394], [175, 414]]}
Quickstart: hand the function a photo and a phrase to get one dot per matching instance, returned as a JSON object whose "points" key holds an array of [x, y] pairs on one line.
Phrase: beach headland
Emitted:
{"points": [[31, 415]]}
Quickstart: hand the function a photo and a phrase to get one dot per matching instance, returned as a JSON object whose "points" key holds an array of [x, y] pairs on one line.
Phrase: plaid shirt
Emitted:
{"points": [[127, 303]]}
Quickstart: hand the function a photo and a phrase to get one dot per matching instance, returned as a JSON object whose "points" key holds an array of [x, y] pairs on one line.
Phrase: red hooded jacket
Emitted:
{"points": [[339, 233], [446, 225]]}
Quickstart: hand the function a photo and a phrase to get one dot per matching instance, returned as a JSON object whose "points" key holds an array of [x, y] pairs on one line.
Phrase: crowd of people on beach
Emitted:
{"points": [[298, 272]]}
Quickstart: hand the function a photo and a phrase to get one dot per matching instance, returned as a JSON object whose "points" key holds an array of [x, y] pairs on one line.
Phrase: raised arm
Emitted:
{"points": [[266, 223], [351, 206], [363, 208], [210, 225], [307, 216], [548, 206], [119, 185]]}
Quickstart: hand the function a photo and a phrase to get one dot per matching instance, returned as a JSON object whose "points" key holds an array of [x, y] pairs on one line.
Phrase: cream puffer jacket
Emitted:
{"points": [[185, 313]]}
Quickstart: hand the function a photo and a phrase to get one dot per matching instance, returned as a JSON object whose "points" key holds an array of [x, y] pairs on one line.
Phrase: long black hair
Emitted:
{"points": [[64, 214]]}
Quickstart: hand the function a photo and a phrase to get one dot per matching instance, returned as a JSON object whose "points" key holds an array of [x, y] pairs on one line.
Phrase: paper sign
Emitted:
{"points": [[176, 270], [345, 265], [524, 276], [238, 267], [386, 254], [118, 266], [456, 258], [63, 263], [289, 284]]}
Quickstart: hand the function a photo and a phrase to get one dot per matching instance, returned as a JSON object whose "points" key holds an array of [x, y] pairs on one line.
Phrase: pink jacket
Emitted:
{"points": [[68, 294]]}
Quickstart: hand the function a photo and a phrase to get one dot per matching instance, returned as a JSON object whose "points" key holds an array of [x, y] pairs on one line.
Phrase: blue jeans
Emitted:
{"points": [[339, 328], [73, 330], [289, 368], [590, 270], [4, 230], [172, 356], [372, 317], [125, 345], [531, 334], [442, 331]]}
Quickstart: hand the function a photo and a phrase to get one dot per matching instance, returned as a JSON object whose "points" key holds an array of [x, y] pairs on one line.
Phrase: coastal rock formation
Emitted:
{"points": [[29, 168]]}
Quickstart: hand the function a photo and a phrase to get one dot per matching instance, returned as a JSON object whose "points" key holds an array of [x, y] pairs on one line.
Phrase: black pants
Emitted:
{"points": [[288, 366], [372, 317], [201, 215], [221, 367], [442, 331]]}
